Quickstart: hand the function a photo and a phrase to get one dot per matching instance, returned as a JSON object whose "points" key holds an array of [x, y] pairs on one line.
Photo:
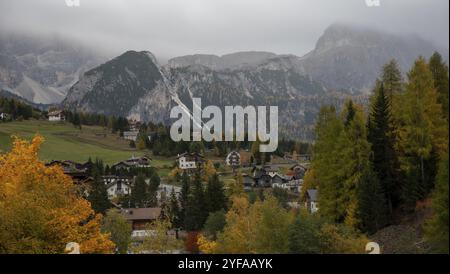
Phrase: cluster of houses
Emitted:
{"points": [[116, 184], [266, 176]]}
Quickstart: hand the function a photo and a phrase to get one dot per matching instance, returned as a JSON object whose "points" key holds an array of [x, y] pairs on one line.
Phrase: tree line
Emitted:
{"points": [[370, 164]]}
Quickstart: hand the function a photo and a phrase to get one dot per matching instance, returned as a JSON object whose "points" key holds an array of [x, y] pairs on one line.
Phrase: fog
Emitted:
{"points": [[172, 28]]}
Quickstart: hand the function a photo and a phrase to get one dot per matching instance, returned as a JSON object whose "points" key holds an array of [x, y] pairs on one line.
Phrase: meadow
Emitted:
{"points": [[65, 142]]}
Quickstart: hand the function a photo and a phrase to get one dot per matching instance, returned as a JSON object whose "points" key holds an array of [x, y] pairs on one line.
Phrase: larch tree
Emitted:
{"points": [[327, 164], [40, 211], [439, 71], [423, 134]]}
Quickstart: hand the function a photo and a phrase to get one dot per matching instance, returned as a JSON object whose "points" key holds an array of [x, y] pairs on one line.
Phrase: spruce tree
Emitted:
{"points": [[139, 192], [195, 213], [184, 197], [383, 156], [152, 190], [174, 210], [372, 202], [215, 195], [98, 196]]}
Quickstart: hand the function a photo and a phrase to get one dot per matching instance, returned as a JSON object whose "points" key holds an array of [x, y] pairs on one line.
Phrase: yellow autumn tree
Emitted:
{"points": [[208, 171], [40, 211]]}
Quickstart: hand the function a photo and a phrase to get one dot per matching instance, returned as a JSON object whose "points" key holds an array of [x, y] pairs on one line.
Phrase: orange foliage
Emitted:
{"points": [[40, 211], [191, 242]]}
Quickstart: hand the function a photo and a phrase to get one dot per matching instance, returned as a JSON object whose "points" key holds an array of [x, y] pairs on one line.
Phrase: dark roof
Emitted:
{"points": [[191, 154], [312, 194], [302, 166], [147, 213], [55, 112]]}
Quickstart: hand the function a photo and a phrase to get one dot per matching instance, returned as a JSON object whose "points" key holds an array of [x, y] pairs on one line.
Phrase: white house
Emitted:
{"points": [[117, 185], [130, 135], [190, 160], [56, 116], [3, 116], [233, 159]]}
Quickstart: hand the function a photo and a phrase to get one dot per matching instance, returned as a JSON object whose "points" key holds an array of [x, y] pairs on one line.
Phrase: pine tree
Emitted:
{"points": [[98, 196], [439, 71], [215, 195], [184, 197], [383, 156], [174, 210], [152, 190], [139, 192], [372, 203], [350, 113], [195, 213]]}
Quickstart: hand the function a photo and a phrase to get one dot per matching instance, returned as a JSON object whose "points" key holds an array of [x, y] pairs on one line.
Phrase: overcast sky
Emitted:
{"points": [[172, 28]]}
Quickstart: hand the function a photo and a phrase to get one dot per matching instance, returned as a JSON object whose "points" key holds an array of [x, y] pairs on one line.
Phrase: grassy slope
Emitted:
{"points": [[63, 141]]}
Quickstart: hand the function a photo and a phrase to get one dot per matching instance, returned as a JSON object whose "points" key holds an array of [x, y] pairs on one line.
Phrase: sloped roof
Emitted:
{"points": [[147, 213], [312, 194]]}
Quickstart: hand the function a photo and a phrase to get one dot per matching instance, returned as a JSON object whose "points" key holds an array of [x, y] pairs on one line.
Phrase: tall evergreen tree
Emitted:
{"points": [[98, 196], [152, 189], [184, 197], [439, 71], [215, 194], [139, 192], [372, 203], [195, 214], [174, 210], [383, 156]]}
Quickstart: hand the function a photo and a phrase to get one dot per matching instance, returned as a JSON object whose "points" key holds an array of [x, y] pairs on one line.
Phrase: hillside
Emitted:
{"points": [[65, 142]]}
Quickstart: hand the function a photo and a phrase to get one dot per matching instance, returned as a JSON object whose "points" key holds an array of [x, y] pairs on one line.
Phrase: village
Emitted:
{"points": [[283, 173]]}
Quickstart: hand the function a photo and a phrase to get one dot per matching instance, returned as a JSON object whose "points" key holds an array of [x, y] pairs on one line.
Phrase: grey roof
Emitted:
{"points": [[312, 194]]}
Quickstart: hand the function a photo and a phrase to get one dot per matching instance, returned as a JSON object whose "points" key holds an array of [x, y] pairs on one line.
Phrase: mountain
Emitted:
{"points": [[41, 69], [228, 61], [350, 58], [344, 63], [135, 85], [115, 86]]}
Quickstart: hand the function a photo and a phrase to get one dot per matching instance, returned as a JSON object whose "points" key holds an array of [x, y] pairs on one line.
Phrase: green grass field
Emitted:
{"points": [[64, 142]]}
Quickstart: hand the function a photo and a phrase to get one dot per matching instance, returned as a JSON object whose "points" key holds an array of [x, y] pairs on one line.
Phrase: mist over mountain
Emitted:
{"points": [[349, 58], [42, 69], [344, 63]]}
